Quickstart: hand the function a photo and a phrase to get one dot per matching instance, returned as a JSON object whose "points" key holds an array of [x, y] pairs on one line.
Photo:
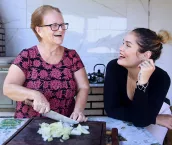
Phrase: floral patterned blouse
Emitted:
{"points": [[55, 81]]}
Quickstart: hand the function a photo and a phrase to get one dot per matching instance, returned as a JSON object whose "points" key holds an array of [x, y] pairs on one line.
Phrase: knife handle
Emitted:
{"points": [[28, 102], [115, 136]]}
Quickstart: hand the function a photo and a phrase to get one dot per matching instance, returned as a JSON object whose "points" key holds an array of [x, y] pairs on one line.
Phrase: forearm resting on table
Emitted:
{"points": [[81, 99], [164, 120], [158, 120], [17, 92]]}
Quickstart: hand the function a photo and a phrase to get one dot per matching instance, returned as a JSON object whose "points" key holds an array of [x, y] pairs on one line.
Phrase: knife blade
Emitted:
{"points": [[54, 115]]}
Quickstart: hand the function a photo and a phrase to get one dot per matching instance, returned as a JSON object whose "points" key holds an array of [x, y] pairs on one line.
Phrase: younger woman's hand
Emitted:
{"points": [[147, 67], [164, 120]]}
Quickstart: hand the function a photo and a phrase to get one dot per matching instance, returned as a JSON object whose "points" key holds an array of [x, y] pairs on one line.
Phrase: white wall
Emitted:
{"points": [[160, 18], [96, 27]]}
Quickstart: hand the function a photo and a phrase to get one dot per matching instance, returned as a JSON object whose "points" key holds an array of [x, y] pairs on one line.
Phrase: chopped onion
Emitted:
{"points": [[75, 132], [82, 129], [60, 130], [86, 127]]}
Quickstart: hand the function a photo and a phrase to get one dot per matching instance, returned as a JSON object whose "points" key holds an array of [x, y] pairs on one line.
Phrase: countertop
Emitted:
{"points": [[97, 85], [133, 135]]}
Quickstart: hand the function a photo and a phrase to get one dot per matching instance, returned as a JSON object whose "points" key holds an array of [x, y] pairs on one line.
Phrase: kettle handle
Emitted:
{"points": [[100, 64]]}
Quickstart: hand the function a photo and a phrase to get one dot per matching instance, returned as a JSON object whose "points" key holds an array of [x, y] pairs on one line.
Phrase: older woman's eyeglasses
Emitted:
{"points": [[55, 26]]}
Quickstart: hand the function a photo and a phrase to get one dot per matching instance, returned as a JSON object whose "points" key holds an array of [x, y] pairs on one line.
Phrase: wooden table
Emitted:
{"points": [[132, 134], [128, 133], [28, 135]]}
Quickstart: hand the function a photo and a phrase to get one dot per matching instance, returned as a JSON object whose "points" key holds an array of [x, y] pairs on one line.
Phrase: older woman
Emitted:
{"points": [[135, 89], [48, 74]]}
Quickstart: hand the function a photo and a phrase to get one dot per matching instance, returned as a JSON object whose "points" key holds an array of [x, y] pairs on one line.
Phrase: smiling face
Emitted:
{"points": [[129, 55], [46, 34]]}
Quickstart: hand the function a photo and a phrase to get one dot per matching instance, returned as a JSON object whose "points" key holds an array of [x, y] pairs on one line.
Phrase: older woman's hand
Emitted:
{"points": [[79, 116], [40, 103], [164, 120]]}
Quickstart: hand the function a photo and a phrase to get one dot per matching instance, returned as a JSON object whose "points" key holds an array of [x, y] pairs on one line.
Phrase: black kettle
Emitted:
{"points": [[97, 77]]}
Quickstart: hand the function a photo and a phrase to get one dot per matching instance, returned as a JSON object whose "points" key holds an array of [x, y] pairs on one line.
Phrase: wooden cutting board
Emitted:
{"points": [[27, 135]]}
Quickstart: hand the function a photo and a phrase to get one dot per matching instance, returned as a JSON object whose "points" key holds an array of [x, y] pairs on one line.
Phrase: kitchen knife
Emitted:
{"points": [[54, 115]]}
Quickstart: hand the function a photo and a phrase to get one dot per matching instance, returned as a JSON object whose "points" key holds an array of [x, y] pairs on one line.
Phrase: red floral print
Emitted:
{"points": [[48, 94], [67, 62], [55, 73], [30, 84], [59, 94], [25, 54], [43, 74], [55, 102], [20, 115], [34, 73], [25, 109], [18, 59], [69, 93], [36, 63], [67, 73], [45, 85], [56, 82], [37, 84]]}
